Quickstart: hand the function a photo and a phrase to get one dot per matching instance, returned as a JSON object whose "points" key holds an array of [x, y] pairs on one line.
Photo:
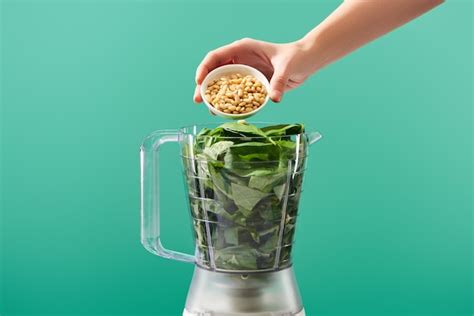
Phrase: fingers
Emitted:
{"points": [[197, 94], [278, 84], [213, 59], [221, 56], [218, 57]]}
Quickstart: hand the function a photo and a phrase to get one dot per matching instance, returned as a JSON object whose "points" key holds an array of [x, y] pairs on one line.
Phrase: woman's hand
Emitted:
{"points": [[283, 64], [353, 24]]}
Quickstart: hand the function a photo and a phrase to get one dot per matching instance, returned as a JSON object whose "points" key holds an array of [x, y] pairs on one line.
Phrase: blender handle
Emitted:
{"points": [[150, 195]]}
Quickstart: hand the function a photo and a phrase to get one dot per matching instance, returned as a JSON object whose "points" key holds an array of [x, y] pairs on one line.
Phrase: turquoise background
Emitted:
{"points": [[385, 223]]}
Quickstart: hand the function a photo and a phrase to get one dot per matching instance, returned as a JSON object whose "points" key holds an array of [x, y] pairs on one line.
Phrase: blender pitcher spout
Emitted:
{"points": [[313, 137]]}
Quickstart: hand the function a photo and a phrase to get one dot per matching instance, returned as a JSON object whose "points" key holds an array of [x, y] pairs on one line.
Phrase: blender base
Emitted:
{"points": [[256, 294], [186, 313]]}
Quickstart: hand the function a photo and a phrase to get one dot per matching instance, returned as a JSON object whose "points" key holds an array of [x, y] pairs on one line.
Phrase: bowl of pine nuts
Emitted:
{"points": [[235, 91]]}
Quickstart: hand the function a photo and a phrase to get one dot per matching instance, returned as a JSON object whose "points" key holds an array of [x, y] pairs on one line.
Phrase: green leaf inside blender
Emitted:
{"points": [[245, 196]]}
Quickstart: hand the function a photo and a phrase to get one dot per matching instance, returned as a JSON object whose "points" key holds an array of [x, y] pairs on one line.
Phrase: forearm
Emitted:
{"points": [[355, 23]]}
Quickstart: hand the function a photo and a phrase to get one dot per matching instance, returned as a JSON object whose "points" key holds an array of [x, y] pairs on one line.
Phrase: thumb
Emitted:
{"points": [[278, 84]]}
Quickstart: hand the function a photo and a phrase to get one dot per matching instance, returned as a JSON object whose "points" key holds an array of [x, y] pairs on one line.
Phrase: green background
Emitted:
{"points": [[385, 223]]}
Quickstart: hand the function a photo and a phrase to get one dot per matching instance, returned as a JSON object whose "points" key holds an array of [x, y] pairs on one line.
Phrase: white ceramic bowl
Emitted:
{"points": [[229, 70]]}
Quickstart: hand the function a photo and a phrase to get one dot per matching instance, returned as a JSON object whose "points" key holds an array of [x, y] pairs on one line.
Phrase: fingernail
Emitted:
{"points": [[276, 98]]}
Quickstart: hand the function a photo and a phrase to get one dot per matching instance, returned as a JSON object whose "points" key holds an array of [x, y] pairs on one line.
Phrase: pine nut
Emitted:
{"points": [[235, 93]]}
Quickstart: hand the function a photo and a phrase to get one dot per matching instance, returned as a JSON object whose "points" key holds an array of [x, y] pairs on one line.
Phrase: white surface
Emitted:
{"points": [[229, 70]]}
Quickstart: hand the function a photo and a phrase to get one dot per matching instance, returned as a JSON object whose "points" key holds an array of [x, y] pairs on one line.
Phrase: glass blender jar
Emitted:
{"points": [[243, 215]]}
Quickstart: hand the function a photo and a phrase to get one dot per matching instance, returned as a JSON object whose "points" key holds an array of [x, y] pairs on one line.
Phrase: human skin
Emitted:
{"points": [[287, 65]]}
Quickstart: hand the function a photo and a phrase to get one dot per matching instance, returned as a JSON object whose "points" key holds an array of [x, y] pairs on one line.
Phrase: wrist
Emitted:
{"points": [[310, 51], [305, 44]]}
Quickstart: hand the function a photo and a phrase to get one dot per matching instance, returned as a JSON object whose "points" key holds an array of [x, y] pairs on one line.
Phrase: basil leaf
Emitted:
{"points": [[246, 197], [266, 183], [245, 129], [240, 192], [217, 149], [283, 129]]}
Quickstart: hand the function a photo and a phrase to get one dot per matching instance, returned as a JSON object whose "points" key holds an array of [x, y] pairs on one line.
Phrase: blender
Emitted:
{"points": [[243, 214]]}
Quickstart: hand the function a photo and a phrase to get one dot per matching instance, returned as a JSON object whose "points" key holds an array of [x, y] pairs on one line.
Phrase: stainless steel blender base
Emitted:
{"points": [[186, 313], [256, 294]]}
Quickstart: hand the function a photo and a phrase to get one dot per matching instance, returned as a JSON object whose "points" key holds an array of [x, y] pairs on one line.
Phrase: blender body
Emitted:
{"points": [[243, 218]]}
